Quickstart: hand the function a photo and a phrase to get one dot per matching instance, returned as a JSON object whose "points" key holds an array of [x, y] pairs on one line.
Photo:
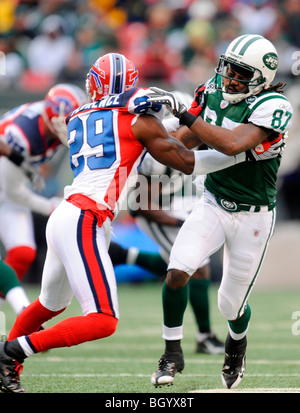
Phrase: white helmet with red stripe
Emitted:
{"points": [[59, 102], [111, 74]]}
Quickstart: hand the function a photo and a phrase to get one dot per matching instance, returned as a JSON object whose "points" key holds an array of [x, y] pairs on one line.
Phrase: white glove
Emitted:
{"points": [[33, 174], [274, 151], [162, 97]]}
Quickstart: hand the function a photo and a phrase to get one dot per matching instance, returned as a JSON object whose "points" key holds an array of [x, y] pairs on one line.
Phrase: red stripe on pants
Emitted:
{"points": [[95, 271]]}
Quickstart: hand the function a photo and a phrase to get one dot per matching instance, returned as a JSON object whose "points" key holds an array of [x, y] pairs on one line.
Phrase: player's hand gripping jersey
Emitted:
{"points": [[252, 183], [104, 153]]}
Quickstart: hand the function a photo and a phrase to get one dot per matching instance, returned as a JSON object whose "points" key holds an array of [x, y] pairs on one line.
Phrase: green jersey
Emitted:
{"points": [[252, 183]]}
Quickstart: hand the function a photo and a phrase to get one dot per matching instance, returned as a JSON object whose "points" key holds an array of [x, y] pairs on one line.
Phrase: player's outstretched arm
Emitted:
{"points": [[230, 142], [15, 188], [171, 152], [163, 147]]}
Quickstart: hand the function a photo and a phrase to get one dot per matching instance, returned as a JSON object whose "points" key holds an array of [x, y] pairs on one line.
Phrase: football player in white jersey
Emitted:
{"points": [[235, 111], [175, 196], [9, 284], [107, 139], [34, 131]]}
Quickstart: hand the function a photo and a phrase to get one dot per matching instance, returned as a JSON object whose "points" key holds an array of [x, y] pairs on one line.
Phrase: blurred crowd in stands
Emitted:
{"points": [[176, 42]]}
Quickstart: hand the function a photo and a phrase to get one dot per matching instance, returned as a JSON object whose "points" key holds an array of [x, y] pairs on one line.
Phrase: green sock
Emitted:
{"points": [[174, 304], [8, 278], [198, 293], [240, 325], [152, 262]]}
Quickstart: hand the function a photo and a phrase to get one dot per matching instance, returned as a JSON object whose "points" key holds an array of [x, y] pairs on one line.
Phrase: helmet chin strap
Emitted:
{"points": [[87, 87]]}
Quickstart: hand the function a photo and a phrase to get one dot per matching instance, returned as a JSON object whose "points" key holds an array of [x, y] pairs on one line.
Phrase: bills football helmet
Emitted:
{"points": [[59, 102], [252, 56], [111, 74]]}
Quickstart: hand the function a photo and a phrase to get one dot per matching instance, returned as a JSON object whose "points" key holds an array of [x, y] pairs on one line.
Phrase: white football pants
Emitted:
{"points": [[77, 263], [165, 235], [245, 237], [16, 226]]}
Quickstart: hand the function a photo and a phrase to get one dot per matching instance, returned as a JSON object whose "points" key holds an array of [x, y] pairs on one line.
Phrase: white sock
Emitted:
{"points": [[236, 336], [172, 333], [25, 346], [133, 252], [17, 298]]}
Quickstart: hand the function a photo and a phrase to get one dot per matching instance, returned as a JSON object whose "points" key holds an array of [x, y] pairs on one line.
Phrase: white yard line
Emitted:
{"points": [[55, 359]]}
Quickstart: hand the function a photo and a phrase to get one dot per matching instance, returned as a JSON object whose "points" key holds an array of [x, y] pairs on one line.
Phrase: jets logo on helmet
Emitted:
{"points": [[271, 61], [252, 56], [59, 102], [111, 74]]}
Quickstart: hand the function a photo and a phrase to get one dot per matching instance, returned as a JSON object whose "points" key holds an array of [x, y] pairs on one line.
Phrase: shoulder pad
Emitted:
{"points": [[272, 111]]}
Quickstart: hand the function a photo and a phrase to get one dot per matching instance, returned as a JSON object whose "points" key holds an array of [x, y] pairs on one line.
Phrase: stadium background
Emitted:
{"points": [[175, 44]]}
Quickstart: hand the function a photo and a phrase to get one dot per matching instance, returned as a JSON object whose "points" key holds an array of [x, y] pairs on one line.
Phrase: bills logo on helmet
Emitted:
{"points": [[57, 103], [97, 80], [111, 74]]}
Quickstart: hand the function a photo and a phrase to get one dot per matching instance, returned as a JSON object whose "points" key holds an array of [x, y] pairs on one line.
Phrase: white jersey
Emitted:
{"points": [[104, 153]]}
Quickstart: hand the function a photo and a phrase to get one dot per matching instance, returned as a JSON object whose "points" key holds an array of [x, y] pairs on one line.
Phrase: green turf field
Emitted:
{"points": [[124, 362]]}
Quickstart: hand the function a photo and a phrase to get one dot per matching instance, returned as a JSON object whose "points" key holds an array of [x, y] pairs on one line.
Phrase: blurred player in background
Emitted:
{"points": [[35, 131], [9, 283], [107, 139], [239, 109], [161, 221]]}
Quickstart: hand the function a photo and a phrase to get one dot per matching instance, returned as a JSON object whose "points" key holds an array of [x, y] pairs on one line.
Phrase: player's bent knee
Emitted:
{"points": [[177, 278], [228, 308], [103, 325]]}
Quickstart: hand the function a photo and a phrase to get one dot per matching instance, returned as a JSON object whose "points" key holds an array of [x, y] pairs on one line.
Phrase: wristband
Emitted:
{"points": [[187, 119], [179, 222], [16, 157]]}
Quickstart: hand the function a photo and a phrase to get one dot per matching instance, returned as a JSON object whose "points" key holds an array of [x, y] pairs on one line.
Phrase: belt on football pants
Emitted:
{"points": [[231, 206]]}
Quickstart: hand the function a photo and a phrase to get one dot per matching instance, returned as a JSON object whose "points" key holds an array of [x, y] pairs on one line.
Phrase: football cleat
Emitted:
{"points": [[234, 363], [208, 343], [10, 371], [168, 366]]}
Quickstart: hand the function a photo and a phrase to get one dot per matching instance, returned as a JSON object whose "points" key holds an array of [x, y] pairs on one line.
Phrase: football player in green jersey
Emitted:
{"points": [[237, 110]]}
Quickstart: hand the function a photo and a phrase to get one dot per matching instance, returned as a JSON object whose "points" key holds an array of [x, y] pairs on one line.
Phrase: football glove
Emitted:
{"points": [[198, 102], [273, 151], [162, 97], [34, 176]]}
